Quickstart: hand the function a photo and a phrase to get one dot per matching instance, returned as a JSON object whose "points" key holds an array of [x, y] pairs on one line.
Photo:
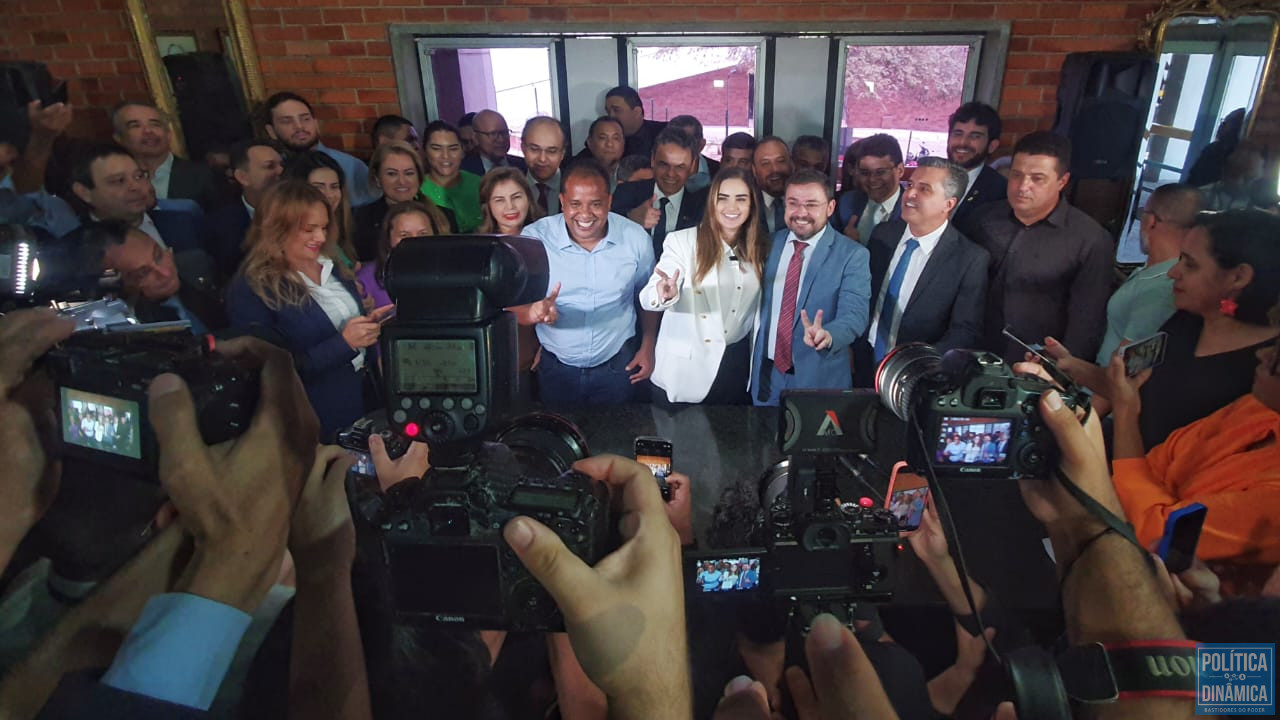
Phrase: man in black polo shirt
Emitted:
{"points": [[624, 105], [1051, 264]]}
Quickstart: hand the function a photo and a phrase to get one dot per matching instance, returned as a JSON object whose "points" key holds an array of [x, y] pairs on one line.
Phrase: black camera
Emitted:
{"points": [[977, 417], [102, 379], [452, 381], [818, 538]]}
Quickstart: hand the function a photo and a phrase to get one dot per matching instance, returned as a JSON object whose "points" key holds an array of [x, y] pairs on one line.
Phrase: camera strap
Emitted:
{"points": [[1098, 673], [1114, 523]]}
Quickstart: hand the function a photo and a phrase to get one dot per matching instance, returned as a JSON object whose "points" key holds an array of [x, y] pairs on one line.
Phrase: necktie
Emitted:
{"points": [[787, 311], [542, 197], [660, 230], [779, 215], [867, 222], [889, 308]]}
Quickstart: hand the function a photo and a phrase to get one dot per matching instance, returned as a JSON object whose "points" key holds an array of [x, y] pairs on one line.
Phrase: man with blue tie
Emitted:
{"points": [[929, 282], [816, 295]]}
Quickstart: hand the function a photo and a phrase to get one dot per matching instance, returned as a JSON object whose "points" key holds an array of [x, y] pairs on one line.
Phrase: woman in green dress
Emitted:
{"points": [[447, 184]]}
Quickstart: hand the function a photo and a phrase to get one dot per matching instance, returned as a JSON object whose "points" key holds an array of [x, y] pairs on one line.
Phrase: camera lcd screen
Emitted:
{"points": [[534, 498], [101, 422], [973, 441], [733, 574], [447, 579], [436, 367]]}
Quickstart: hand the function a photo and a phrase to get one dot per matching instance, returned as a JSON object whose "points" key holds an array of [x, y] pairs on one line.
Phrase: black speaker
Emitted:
{"points": [[1103, 101], [210, 103]]}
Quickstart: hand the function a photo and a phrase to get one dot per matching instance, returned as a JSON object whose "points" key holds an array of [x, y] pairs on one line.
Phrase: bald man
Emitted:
{"points": [[493, 140]]}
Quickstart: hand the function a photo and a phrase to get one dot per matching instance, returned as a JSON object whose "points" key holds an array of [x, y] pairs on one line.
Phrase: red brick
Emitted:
{"points": [[975, 11], [1104, 10], [286, 65], [110, 51], [931, 11], [1084, 28], [301, 17], [377, 48], [465, 15], [338, 15], [1028, 61], [346, 48], [594, 14], [1060, 9], [73, 52], [324, 32], [371, 65], [49, 37], [306, 48], [281, 32], [508, 14], [423, 15], [366, 32], [375, 96], [1022, 93], [384, 15]]}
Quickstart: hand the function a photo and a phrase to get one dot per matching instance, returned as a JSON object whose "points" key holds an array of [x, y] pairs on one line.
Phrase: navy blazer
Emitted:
{"points": [[989, 187], [851, 205], [948, 302], [472, 163], [179, 230], [227, 227], [322, 356], [190, 180], [632, 195], [837, 281]]}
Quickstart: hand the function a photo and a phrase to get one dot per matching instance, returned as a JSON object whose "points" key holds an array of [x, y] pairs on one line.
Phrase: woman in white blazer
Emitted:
{"points": [[707, 285]]}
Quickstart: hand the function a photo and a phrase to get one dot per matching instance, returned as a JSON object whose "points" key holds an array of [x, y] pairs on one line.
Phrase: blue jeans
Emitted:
{"points": [[566, 387]]}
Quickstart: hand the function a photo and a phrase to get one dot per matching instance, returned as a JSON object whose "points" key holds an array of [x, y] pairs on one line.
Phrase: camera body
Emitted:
{"points": [[981, 418], [102, 380], [442, 539]]}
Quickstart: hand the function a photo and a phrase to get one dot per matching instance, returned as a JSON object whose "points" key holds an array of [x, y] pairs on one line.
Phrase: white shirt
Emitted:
{"points": [[160, 178], [973, 178], [769, 200], [336, 302], [780, 282], [915, 267], [247, 206], [883, 209], [673, 207]]}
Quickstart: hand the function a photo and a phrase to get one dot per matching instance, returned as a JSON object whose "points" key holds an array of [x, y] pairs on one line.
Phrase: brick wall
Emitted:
{"points": [[336, 51]]}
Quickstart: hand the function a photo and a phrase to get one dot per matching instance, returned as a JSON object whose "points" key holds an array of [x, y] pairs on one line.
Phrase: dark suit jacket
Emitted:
{"points": [[632, 195], [852, 203], [199, 293], [946, 306], [194, 181], [322, 356], [642, 142], [81, 695], [226, 228], [713, 166], [472, 163], [368, 227], [990, 187]]}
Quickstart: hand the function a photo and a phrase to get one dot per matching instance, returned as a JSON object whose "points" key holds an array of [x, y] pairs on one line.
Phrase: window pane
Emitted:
{"points": [[907, 91], [714, 84], [514, 81]]}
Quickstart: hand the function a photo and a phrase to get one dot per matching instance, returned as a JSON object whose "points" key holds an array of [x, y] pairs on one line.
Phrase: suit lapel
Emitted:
{"points": [[938, 263], [817, 264]]}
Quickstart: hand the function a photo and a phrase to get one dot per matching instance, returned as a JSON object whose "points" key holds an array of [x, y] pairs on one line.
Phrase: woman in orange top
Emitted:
{"points": [[1228, 461]]}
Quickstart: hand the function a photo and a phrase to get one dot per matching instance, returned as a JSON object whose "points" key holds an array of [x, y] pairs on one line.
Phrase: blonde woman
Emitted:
{"points": [[290, 290], [396, 169], [325, 174]]}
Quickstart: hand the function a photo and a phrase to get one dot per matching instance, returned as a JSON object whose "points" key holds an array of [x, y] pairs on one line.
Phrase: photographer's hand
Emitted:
{"points": [[625, 616], [845, 685], [236, 498], [414, 463], [680, 507]]}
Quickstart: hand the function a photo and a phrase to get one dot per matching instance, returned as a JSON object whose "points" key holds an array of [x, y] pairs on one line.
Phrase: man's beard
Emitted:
{"points": [[301, 148]]}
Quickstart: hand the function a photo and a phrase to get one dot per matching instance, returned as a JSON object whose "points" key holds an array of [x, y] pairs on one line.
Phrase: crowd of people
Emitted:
{"points": [[676, 279]]}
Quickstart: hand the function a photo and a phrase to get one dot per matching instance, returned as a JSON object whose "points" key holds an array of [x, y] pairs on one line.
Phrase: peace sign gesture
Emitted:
{"points": [[669, 285], [814, 336]]}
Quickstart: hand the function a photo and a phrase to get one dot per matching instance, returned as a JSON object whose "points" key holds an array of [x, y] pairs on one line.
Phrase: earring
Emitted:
{"points": [[1228, 307]]}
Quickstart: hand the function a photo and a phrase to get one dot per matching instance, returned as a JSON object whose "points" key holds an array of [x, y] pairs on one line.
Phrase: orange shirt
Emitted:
{"points": [[1210, 462]]}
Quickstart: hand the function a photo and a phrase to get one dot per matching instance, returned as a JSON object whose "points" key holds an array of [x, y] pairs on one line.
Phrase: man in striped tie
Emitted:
{"points": [[816, 297]]}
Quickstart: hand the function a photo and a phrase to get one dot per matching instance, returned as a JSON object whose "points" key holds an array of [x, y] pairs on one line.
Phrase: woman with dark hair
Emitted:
{"points": [[446, 183], [404, 220], [1223, 285], [325, 174], [397, 170], [505, 200], [707, 284]]}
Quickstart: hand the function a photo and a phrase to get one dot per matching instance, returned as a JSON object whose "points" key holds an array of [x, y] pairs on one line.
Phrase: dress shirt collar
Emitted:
{"points": [[927, 242], [675, 198], [163, 170], [973, 174], [566, 241], [326, 270], [247, 206], [553, 183], [1056, 218], [888, 204], [814, 241]]}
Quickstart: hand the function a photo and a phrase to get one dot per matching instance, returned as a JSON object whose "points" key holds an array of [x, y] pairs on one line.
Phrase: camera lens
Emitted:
{"points": [[546, 445], [899, 372], [774, 483]]}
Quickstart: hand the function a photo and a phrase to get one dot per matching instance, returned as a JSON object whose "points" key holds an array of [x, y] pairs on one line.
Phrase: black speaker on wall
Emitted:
{"points": [[209, 101]]}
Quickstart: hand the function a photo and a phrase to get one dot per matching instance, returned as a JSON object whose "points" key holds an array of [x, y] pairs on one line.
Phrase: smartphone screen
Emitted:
{"points": [[907, 499], [1181, 537], [364, 463], [1144, 354], [654, 452]]}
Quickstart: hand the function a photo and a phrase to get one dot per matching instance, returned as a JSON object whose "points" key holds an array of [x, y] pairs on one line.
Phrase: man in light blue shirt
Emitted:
{"points": [[290, 121], [1144, 302], [599, 261]]}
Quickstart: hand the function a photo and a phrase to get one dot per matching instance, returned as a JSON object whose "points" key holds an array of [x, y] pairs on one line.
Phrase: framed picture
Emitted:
{"points": [[176, 44]]}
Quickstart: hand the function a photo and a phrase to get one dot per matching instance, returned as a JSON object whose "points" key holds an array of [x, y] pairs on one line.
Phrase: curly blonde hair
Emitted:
{"points": [[278, 216]]}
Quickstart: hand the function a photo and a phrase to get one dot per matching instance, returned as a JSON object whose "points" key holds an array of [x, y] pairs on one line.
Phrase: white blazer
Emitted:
{"points": [[700, 321]]}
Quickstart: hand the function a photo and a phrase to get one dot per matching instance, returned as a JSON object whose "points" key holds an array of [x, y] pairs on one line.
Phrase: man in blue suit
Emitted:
{"points": [[817, 286], [880, 169]]}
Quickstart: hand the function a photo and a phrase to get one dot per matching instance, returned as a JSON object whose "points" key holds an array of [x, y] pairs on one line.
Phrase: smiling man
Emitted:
{"points": [[929, 282], [816, 296], [771, 163], [289, 120], [665, 203], [974, 133], [1051, 268], [879, 196], [543, 144], [599, 261], [144, 131]]}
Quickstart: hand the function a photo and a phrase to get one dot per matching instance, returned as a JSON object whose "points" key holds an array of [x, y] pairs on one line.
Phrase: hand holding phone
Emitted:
{"points": [[655, 453], [1144, 354], [1177, 546]]}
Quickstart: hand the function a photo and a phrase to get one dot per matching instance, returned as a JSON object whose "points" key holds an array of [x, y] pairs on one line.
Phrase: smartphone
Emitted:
{"points": [[364, 463], [1144, 354], [56, 95], [386, 316], [1046, 362], [1181, 536], [655, 452], [907, 497]]}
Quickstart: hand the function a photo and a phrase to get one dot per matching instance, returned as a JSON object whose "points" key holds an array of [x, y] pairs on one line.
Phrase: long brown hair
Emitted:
{"points": [[491, 180], [278, 216], [749, 245], [400, 147], [384, 241], [301, 168]]}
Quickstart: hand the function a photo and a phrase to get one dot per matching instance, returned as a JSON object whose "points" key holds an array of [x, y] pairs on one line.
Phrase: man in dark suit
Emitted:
{"points": [[771, 164], [815, 296], [493, 140], [665, 203], [144, 131], [975, 134], [707, 168], [256, 166], [880, 170], [928, 282], [624, 105]]}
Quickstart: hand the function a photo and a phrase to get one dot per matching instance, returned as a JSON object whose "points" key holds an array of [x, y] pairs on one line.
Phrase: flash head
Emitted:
{"points": [[451, 279]]}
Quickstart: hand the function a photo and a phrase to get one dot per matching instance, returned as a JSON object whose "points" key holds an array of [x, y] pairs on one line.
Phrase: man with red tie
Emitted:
{"points": [[817, 296], [543, 146]]}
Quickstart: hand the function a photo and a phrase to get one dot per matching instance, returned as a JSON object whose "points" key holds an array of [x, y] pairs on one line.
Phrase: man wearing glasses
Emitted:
{"points": [[880, 170], [493, 140]]}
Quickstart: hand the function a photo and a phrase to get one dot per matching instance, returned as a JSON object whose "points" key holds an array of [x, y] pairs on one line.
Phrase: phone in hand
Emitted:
{"points": [[907, 497], [388, 314], [1144, 354], [655, 453], [1048, 363], [1181, 537], [58, 94]]}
